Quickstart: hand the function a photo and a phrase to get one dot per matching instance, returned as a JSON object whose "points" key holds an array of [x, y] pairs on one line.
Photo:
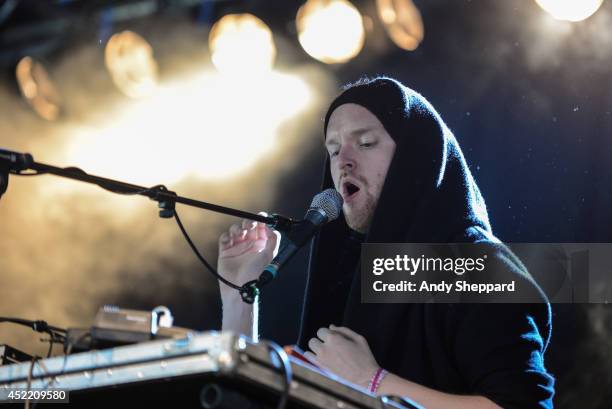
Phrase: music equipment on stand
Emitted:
{"points": [[206, 370], [114, 326]]}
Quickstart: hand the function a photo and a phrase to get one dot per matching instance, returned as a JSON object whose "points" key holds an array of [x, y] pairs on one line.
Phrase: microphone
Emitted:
{"points": [[325, 207], [15, 161]]}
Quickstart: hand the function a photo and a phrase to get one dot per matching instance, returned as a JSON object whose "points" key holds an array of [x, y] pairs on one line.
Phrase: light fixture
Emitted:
{"points": [[570, 10], [130, 62], [330, 31], [402, 21], [38, 89], [241, 43]]}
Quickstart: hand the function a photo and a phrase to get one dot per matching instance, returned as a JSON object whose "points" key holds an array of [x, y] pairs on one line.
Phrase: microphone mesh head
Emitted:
{"points": [[330, 201]]}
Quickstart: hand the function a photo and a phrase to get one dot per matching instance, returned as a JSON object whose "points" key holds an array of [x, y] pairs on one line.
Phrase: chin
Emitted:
{"points": [[357, 222], [359, 215]]}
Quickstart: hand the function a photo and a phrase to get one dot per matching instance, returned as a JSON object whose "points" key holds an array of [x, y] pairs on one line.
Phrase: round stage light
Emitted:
{"points": [[130, 62], [570, 10], [330, 31], [38, 89], [402, 21], [241, 43]]}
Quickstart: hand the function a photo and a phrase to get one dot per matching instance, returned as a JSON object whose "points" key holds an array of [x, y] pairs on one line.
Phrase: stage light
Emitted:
{"points": [[208, 125], [402, 21], [37, 88], [130, 62], [330, 31], [241, 43], [570, 10]]}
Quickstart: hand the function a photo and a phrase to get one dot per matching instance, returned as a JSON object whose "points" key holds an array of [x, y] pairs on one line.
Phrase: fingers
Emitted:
{"points": [[263, 230], [225, 240], [272, 236], [315, 345], [239, 232], [326, 334], [236, 232], [323, 334], [273, 242], [251, 229], [248, 224], [311, 357], [347, 333]]}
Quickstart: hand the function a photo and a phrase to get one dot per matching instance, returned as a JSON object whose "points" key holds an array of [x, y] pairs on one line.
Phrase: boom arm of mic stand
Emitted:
{"points": [[165, 198]]}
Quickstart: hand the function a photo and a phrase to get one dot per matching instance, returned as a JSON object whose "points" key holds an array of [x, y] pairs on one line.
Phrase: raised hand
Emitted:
{"points": [[244, 251]]}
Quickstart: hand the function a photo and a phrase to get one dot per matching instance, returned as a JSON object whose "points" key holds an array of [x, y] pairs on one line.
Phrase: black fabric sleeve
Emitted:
{"points": [[499, 350]]}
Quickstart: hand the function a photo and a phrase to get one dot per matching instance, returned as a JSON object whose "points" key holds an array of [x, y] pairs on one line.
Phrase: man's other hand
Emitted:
{"points": [[343, 352]]}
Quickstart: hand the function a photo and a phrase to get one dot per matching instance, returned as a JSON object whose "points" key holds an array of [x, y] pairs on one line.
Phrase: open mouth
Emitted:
{"points": [[350, 190]]}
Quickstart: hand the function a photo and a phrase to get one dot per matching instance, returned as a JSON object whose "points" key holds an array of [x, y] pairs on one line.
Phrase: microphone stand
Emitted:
{"points": [[16, 163]]}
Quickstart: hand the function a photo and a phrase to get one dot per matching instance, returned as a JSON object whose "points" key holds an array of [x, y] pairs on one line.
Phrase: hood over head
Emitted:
{"points": [[429, 194]]}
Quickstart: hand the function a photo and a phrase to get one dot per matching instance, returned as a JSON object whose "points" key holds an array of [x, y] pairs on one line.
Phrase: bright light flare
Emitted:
{"points": [[570, 10], [210, 126], [403, 22], [241, 43], [330, 31], [38, 89], [130, 62]]}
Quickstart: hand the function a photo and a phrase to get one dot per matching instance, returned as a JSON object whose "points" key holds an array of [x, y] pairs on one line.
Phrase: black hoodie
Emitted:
{"points": [[429, 196]]}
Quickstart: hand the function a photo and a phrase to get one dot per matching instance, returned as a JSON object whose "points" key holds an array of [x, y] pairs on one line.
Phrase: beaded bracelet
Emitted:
{"points": [[376, 380]]}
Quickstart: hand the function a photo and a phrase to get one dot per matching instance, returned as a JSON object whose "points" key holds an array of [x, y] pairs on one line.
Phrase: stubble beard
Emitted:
{"points": [[359, 218]]}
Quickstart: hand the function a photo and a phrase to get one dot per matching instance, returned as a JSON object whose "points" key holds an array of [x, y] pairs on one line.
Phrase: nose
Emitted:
{"points": [[346, 158]]}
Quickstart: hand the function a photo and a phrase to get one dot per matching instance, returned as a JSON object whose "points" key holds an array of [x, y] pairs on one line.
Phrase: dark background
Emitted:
{"points": [[529, 100]]}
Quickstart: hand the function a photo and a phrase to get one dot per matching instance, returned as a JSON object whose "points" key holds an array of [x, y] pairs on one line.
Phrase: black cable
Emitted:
{"points": [[43, 367], [80, 171], [249, 291], [36, 325], [67, 351], [50, 347], [113, 189], [286, 369], [29, 382], [200, 257], [45, 371], [55, 333], [53, 339]]}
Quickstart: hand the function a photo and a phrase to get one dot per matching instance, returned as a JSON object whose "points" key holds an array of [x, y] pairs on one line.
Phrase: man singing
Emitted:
{"points": [[403, 179]]}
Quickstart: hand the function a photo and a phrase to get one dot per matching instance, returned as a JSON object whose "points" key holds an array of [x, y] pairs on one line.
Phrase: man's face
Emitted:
{"points": [[360, 151]]}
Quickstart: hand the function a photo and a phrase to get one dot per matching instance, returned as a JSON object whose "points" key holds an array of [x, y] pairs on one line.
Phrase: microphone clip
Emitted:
{"points": [[249, 291], [281, 223], [165, 200]]}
